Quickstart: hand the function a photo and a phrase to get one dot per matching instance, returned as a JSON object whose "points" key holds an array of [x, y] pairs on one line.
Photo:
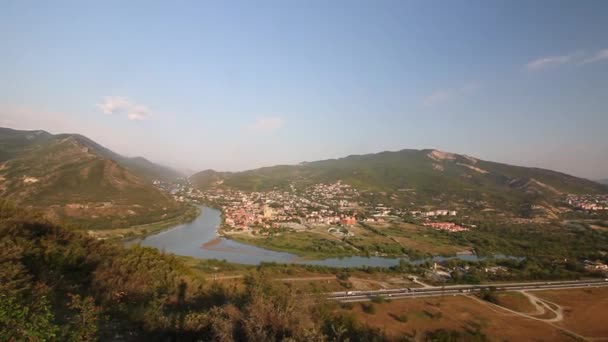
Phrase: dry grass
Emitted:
{"points": [[585, 310], [422, 239], [516, 301], [456, 313]]}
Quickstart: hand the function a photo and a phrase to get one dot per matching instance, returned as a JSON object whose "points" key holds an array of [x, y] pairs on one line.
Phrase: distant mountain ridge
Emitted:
{"points": [[13, 142], [71, 177], [417, 178], [603, 181]]}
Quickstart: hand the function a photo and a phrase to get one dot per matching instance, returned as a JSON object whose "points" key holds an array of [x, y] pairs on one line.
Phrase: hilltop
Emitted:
{"points": [[417, 178], [70, 177]]}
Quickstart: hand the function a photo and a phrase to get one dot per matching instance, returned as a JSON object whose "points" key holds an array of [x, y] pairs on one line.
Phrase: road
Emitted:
{"points": [[434, 291]]}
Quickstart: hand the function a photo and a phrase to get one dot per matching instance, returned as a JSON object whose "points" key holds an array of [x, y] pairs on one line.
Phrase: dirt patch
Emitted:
{"points": [[474, 168], [437, 167], [593, 226], [439, 155], [30, 180], [543, 185], [361, 284], [209, 244]]}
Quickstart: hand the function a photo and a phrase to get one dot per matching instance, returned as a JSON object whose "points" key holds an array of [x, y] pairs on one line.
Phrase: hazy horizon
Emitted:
{"points": [[236, 86]]}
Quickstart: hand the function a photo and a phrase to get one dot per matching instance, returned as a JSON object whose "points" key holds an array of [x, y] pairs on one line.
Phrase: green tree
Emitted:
{"points": [[22, 321], [84, 321]]}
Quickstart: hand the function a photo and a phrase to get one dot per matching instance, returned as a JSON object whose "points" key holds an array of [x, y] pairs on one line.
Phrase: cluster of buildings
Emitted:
{"points": [[596, 266], [588, 202], [181, 190], [334, 204], [446, 226], [441, 273], [434, 213], [320, 204]]}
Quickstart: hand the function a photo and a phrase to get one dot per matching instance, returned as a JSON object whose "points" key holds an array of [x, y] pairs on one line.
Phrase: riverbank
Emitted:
{"points": [[305, 246], [141, 231]]}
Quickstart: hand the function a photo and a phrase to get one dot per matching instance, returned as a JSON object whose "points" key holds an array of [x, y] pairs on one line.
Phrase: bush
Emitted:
{"points": [[489, 295], [347, 306], [368, 308], [379, 299], [399, 318]]}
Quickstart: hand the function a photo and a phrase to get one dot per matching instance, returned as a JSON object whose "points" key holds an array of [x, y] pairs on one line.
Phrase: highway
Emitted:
{"points": [[434, 291]]}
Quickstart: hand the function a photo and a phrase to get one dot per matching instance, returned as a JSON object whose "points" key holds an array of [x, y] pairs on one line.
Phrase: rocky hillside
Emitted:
{"points": [[72, 178]]}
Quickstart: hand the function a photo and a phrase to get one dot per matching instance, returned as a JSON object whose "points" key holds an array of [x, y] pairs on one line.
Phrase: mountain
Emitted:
{"points": [[70, 177], [418, 178], [208, 178], [603, 181], [14, 142], [139, 165]]}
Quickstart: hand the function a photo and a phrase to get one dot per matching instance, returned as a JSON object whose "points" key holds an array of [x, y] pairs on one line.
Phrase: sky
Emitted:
{"points": [[235, 85]]}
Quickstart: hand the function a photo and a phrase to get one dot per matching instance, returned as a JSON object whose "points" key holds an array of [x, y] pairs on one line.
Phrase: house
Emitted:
{"points": [[348, 221], [595, 266]]}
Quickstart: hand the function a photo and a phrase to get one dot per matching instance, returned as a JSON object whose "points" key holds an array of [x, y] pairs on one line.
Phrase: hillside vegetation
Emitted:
{"points": [[57, 284], [417, 178], [71, 178]]}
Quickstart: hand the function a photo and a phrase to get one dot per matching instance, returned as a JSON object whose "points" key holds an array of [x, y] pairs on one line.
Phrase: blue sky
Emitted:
{"points": [[236, 85]]}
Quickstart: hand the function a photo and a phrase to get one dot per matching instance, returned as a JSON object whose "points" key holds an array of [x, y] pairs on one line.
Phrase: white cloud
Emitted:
{"points": [[544, 62], [445, 95], [436, 97], [122, 105], [579, 58], [266, 124], [597, 57]]}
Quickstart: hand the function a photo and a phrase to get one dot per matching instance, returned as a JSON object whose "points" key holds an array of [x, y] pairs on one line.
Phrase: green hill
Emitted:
{"points": [[72, 178], [138, 165], [208, 178], [14, 142], [418, 178]]}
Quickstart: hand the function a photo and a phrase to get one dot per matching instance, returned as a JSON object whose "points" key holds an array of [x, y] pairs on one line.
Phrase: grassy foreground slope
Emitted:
{"points": [[57, 284], [71, 178]]}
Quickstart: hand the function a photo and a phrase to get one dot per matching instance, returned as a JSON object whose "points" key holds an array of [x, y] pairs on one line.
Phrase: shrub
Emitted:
{"points": [[368, 308], [399, 318]]}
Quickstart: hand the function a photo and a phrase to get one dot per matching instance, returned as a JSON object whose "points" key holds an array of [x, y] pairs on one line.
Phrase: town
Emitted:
{"points": [[330, 205], [588, 202]]}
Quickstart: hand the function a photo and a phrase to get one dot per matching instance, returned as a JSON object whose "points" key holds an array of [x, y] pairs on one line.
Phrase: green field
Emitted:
{"points": [[394, 240]]}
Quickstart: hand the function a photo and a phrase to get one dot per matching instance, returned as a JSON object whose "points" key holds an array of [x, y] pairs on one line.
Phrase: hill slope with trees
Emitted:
{"points": [[73, 178], [418, 177]]}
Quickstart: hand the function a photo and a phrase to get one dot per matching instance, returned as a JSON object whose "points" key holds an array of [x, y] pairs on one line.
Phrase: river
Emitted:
{"points": [[199, 239]]}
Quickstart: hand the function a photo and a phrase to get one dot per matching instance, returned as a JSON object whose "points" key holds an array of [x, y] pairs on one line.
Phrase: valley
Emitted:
{"points": [[364, 227], [303, 171], [453, 209]]}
